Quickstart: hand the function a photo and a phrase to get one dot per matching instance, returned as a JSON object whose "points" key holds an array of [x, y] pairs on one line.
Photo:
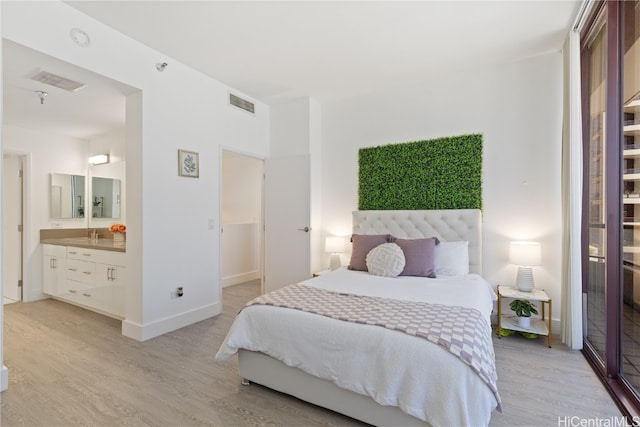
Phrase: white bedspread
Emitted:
{"points": [[393, 368]]}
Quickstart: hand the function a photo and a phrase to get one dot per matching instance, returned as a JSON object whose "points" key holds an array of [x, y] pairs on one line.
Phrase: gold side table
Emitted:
{"points": [[510, 321]]}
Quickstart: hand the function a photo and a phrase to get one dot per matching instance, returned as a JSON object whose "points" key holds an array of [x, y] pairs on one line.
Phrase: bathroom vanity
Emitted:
{"points": [[84, 271]]}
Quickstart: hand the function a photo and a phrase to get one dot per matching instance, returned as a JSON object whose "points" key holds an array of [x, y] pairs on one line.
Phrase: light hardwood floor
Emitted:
{"points": [[68, 366]]}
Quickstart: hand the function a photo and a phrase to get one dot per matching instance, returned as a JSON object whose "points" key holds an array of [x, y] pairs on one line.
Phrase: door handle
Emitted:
{"points": [[306, 229]]}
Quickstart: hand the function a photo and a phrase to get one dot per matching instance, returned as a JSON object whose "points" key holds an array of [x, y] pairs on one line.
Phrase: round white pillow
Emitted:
{"points": [[386, 260]]}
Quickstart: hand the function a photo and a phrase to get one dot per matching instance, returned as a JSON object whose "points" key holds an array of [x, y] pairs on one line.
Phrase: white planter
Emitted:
{"points": [[524, 322]]}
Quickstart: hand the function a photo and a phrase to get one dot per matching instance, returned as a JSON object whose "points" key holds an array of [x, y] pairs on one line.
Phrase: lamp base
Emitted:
{"points": [[524, 280], [335, 262]]}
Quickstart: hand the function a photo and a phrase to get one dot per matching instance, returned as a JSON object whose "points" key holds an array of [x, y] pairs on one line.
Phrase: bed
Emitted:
{"points": [[371, 373]]}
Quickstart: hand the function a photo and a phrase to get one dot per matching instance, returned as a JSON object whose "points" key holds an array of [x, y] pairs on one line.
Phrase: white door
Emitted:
{"points": [[287, 221], [11, 220]]}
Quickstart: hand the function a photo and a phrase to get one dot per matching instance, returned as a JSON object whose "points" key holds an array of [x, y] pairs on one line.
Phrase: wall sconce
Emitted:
{"points": [[525, 255], [99, 159], [335, 246]]}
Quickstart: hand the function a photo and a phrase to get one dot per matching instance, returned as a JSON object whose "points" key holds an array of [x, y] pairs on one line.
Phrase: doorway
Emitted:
{"points": [[12, 226], [241, 231]]}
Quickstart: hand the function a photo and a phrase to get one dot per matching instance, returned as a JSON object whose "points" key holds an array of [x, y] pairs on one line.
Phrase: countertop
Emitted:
{"points": [[86, 242]]}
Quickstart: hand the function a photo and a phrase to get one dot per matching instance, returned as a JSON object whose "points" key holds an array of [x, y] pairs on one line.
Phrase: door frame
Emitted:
{"points": [[26, 224], [261, 247]]}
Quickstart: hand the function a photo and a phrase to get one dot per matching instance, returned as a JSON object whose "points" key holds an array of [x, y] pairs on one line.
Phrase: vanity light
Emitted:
{"points": [[99, 159]]}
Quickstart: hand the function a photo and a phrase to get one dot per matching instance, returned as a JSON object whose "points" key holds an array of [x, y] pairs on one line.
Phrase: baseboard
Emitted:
{"points": [[168, 324], [239, 278], [4, 378]]}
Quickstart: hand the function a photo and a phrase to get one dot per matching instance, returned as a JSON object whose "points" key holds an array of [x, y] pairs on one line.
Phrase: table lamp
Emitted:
{"points": [[525, 255], [335, 246]]}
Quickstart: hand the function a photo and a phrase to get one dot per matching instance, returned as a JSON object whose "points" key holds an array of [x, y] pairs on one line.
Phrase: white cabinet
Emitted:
{"points": [[110, 281], [54, 268], [92, 278]]}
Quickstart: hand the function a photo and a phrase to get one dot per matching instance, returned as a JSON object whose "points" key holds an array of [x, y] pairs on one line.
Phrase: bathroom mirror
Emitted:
{"points": [[105, 197], [67, 197]]}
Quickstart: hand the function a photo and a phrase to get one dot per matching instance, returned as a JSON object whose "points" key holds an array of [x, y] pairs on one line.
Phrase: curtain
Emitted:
{"points": [[571, 309]]}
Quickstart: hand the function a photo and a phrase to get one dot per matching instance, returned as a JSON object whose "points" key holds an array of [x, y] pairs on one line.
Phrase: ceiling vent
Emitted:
{"points": [[236, 101], [57, 81]]}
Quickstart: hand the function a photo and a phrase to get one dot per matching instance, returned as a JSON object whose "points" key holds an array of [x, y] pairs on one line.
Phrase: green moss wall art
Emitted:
{"points": [[442, 173]]}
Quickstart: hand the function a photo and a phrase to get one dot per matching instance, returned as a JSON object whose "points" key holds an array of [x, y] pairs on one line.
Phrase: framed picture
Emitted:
{"points": [[188, 164]]}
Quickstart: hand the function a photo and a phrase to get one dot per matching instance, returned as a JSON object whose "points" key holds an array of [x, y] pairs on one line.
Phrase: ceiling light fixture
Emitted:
{"points": [[42, 95], [99, 159], [160, 66]]}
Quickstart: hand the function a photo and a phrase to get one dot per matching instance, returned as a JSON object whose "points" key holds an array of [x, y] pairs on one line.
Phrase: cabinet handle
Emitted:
{"points": [[108, 273], [86, 254], [113, 273], [73, 269], [86, 294], [88, 273], [73, 291], [73, 252]]}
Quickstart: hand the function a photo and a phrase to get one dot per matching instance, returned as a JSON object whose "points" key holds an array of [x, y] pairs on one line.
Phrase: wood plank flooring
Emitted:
{"points": [[68, 367]]}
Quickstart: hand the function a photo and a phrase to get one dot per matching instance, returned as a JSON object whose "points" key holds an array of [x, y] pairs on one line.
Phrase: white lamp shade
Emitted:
{"points": [[525, 253], [334, 244]]}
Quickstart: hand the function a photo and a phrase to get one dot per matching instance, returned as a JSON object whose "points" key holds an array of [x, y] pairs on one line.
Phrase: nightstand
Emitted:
{"points": [[510, 321]]}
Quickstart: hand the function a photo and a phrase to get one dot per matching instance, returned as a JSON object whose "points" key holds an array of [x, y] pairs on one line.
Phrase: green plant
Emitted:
{"points": [[441, 173], [523, 308]]}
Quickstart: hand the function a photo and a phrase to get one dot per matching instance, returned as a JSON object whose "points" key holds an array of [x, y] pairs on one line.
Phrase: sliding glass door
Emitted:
{"points": [[596, 153], [611, 132], [630, 325]]}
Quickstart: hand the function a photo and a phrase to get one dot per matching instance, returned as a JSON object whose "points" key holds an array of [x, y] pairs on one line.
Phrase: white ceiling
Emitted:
{"points": [[94, 109], [331, 49]]}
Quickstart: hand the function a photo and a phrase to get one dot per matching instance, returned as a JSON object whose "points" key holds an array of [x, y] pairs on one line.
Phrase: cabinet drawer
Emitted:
{"points": [[81, 271], [81, 254], [110, 257], [54, 251]]}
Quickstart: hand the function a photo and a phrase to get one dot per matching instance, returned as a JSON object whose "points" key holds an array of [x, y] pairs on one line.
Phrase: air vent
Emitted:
{"points": [[57, 81], [236, 101]]}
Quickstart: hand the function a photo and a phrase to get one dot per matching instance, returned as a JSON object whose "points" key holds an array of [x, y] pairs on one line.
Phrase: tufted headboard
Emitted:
{"points": [[446, 225]]}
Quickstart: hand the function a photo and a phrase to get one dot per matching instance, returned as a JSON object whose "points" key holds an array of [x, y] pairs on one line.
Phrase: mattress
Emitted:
{"points": [[393, 368]]}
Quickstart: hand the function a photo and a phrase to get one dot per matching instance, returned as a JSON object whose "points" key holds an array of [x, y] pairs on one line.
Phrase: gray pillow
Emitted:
{"points": [[419, 256], [362, 245]]}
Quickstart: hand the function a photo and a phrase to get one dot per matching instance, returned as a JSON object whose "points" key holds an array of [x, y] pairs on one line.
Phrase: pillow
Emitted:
{"points": [[385, 260], [362, 245], [419, 256], [452, 258]]}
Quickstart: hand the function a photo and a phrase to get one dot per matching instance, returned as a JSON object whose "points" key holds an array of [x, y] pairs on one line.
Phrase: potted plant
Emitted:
{"points": [[523, 310]]}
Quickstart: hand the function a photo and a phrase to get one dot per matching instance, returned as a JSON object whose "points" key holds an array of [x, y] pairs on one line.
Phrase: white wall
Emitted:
{"points": [[518, 109], [4, 374], [168, 216], [46, 153]]}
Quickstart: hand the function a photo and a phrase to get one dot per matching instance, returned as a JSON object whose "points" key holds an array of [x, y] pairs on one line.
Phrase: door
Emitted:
{"points": [[287, 221], [11, 227]]}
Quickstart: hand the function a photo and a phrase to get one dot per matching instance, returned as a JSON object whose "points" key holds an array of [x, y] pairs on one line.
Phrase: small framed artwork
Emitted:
{"points": [[188, 164]]}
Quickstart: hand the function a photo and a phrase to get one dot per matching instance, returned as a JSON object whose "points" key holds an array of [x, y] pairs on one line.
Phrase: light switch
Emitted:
{"points": [[212, 224]]}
